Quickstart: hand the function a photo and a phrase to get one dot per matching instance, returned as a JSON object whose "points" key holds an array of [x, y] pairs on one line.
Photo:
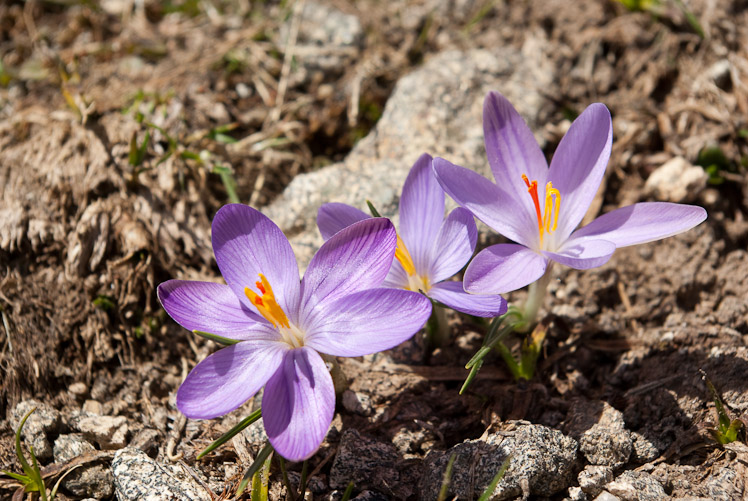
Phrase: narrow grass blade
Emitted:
{"points": [[260, 481], [19, 453], [447, 478], [478, 357], [692, 19], [492, 340], [302, 482], [488, 493], [230, 434], [473, 372], [59, 481], [348, 492], [216, 337], [227, 178], [292, 494], [259, 461], [372, 209]]}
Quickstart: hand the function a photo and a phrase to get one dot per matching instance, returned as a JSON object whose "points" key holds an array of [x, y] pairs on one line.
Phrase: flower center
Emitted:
{"points": [[273, 313], [415, 281], [548, 218]]}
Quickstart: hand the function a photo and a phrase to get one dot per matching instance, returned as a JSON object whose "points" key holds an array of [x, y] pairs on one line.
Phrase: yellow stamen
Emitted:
{"points": [[266, 304], [402, 255], [552, 200], [548, 218], [415, 282]]}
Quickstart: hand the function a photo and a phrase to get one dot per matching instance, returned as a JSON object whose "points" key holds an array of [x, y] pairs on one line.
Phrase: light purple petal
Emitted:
{"points": [[453, 295], [214, 308], [355, 258], [421, 212], [512, 151], [333, 217], [247, 243], [367, 322], [487, 202], [643, 222], [578, 165], [503, 268], [298, 404], [454, 245], [583, 253], [228, 378], [396, 278]]}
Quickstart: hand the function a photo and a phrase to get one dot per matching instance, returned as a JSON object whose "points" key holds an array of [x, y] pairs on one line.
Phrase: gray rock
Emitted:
{"points": [[93, 407], [324, 26], [645, 450], [315, 484], [138, 477], [78, 389], [109, 432], [601, 431], [724, 485], [636, 486], [371, 496], [147, 440], [576, 494], [42, 421], [250, 441], [719, 72], [327, 41], [542, 463], [94, 480], [593, 478], [409, 442], [607, 496], [357, 403], [676, 181], [435, 109], [369, 464]]}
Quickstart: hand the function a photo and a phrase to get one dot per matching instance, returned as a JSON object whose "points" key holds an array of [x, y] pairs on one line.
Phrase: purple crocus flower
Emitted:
{"points": [[430, 248], [282, 325], [539, 207]]}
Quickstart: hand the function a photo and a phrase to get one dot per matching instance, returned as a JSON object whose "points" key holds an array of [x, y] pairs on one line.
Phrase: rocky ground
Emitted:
{"points": [[126, 125]]}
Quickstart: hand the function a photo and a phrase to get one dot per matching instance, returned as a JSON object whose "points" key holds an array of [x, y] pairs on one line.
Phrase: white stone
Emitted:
{"points": [[676, 181]]}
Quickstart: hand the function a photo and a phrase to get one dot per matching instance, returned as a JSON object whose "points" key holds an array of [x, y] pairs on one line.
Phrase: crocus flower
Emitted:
{"points": [[539, 207], [430, 248], [283, 325]]}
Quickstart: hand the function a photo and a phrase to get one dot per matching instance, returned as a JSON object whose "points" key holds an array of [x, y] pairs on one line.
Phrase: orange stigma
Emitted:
{"points": [[266, 304], [548, 218]]}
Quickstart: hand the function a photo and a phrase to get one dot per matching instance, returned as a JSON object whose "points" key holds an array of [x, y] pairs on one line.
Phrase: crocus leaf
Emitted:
{"points": [[259, 461], [444, 490], [230, 434], [372, 209], [488, 493], [216, 337], [348, 492]]}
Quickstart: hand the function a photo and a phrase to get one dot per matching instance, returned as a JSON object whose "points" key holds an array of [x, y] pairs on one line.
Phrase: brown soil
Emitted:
{"points": [[85, 237]]}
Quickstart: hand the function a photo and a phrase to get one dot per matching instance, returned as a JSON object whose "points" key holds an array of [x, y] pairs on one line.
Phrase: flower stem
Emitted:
{"points": [[535, 296], [509, 360], [437, 330]]}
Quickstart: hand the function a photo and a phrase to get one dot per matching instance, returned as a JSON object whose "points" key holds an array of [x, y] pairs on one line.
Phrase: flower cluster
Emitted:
{"points": [[368, 289]]}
